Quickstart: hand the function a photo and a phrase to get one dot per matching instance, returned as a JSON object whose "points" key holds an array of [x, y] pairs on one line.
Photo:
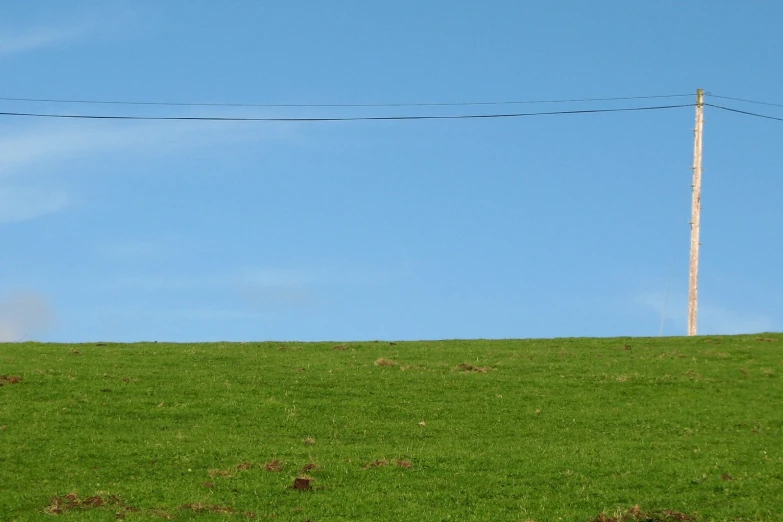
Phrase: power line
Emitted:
{"points": [[334, 119], [344, 105], [746, 100], [744, 112]]}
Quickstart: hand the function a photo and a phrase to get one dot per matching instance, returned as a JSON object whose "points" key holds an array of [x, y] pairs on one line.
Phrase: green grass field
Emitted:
{"points": [[543, 430]]}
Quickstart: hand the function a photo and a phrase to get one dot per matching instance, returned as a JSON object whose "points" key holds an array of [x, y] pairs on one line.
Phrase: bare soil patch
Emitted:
{"points": [[72, 501], [303, 483], [230, 471], [274, 466], [9, 379], [376, 464], [465, 367], [635, 514], [198, 507]]}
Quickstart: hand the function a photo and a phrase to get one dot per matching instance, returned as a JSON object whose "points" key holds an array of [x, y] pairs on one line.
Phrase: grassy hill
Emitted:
{"points": [[560, 429]]}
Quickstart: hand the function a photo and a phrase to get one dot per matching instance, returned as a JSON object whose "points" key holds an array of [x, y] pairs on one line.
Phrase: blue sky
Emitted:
{"points": [[529, 227]]}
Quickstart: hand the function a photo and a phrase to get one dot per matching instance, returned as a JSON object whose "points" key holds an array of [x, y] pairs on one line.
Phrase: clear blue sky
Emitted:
{"points": [[530, 227]]}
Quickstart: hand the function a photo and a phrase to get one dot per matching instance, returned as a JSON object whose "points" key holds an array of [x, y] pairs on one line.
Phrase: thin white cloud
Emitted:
{"points": [[21, 204], [48, 146], [712, 319], [236, 280], [15, 42], [44, 150], [64, 27], [258, 289], [126, 249], [719, 320], [40, 143], [56, 141]]}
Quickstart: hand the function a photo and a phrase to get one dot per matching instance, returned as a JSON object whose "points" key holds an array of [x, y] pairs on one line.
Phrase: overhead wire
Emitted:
{"points": [[338, 105], [337, 119], [370, 105], [765, 116], [745, 100]]}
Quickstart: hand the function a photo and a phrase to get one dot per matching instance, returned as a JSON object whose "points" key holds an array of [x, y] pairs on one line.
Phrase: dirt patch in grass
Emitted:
{"points": [[310, 466], [198, 507], [465, 367], [72, 501], [303, 483], [376, 464], [230, 471], [162, 513], [635, 514], [274, 466], [385, 362], [383, 462], [9, 379]]}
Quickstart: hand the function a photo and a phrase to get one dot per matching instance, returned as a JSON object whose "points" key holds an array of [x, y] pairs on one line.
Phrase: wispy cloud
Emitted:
{"points": [[132, 249], [23, 315], [21, 204], [240, 280], [63, 140], [713, 319], [67, 26], [719, 320], [55, 141], [14, 42], [42, 142], [44, 150], [39, 146]]}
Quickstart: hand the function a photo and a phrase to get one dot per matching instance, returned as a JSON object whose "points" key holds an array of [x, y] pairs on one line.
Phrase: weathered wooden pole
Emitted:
{"points": [[693, 279]]}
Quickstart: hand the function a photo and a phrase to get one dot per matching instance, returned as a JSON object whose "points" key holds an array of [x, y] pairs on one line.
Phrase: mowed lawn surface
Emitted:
{"points": [[560, 429]]}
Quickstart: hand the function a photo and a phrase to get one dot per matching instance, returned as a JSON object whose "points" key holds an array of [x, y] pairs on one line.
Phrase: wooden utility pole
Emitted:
{"points": [[693, 279]]}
